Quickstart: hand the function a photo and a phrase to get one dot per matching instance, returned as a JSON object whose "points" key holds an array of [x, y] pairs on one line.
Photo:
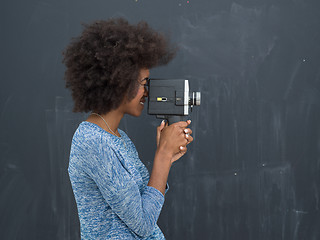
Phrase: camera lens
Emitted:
{"points": [[195, 99]]}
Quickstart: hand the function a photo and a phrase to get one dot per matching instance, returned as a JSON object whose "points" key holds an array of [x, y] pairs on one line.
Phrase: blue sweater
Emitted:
{"points": [[109, 183]]}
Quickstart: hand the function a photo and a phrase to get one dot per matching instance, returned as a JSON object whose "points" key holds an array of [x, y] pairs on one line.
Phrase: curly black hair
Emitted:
{"points": [[104, 62]]}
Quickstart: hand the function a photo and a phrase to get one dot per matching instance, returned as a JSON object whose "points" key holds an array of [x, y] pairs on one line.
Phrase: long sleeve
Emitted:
{"points": [[109, 183], [139, 211]]}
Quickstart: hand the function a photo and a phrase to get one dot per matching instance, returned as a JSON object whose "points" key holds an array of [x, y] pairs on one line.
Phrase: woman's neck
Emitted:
{"points": [[112, 119]]}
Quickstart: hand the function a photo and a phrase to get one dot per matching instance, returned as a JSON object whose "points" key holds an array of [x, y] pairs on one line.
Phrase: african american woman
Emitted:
{"points": [[107, 68]]}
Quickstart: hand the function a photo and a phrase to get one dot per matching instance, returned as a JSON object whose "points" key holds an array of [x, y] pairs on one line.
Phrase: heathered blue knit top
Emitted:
{"points": [[109, 183]]}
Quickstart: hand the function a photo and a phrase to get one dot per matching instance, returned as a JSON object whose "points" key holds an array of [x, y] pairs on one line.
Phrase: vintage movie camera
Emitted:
{"points": [[171, 99]]}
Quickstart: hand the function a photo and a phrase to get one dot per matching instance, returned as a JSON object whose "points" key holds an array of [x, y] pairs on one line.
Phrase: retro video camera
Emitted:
{"points": [[170, 99]]}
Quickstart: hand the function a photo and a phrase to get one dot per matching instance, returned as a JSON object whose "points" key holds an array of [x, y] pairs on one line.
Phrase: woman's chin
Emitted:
{"points": [[135, 114]]}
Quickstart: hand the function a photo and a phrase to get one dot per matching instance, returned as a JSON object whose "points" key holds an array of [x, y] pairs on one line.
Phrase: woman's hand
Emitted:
{"points": [[173, 139], [172, 144], [159, 129]]}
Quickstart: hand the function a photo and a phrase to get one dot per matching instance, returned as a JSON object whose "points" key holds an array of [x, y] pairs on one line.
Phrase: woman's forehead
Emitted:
{"points": [[144, 74]]}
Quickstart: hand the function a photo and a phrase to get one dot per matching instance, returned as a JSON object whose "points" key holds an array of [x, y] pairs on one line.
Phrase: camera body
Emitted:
{"points": [[171, 99]]}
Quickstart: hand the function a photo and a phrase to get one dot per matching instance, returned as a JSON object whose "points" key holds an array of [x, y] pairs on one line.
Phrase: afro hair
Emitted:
{"points": [[103, 64]]}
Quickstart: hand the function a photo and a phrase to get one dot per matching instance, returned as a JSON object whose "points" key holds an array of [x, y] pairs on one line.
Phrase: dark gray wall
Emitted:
{"points": [[252, 172]]}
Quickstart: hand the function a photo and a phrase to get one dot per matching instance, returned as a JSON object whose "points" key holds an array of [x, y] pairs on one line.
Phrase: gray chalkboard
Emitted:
{"points": [[253, 171]]}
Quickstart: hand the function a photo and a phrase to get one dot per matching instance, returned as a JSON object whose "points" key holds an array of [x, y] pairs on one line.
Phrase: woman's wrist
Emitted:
{"points": [[163, 156], [160, 170]]}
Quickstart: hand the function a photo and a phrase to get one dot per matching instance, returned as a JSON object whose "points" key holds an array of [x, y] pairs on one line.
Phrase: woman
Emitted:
{"points": [[107, 72]]}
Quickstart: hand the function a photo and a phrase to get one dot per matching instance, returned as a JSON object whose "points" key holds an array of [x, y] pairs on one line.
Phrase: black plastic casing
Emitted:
{"points": [[173, 103]]}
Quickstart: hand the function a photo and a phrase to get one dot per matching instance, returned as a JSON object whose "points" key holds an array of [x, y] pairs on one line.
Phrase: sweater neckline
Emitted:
{"points": [[104, 131]]}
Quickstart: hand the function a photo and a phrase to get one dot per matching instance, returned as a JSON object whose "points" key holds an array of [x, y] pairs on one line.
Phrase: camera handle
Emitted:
{"points": [[173, 118]]}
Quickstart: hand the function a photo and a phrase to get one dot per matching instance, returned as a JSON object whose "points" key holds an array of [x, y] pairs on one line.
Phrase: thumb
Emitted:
{"points": [[159, 129], [161, 126]]}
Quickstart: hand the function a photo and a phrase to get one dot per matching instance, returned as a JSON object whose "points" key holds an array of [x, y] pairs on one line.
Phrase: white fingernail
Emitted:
{"points": [[181, 148], [185, 131]]}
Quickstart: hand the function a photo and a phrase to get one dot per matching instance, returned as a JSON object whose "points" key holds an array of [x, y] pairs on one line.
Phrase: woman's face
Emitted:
{"points": [[135, 106]]}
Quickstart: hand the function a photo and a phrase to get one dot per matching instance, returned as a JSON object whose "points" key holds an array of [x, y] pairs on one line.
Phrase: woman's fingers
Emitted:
{"points": [[183, 124], [183, 149], [187, 131], [159, 129], [189, 139], [174, 137], [161, 126], [188, 136]]}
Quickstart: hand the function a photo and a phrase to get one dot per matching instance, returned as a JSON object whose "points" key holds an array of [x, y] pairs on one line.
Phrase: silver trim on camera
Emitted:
{"points": [[186, 97]]}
